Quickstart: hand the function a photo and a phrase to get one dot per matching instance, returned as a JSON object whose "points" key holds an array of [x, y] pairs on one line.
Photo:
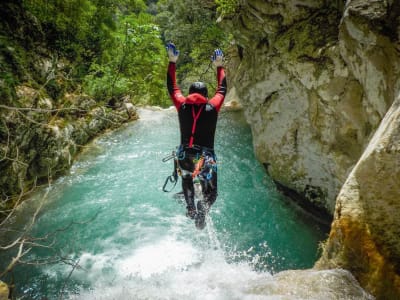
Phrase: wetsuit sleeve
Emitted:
{"points": [[219, 96], [174, 92]]}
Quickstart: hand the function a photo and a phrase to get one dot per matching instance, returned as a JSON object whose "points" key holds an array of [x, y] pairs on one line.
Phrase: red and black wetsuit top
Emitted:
{"points": [[196, 113]]}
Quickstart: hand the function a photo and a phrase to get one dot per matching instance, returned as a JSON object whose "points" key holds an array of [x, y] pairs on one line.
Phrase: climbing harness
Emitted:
{"points": [[173, 178], [204, 160]]}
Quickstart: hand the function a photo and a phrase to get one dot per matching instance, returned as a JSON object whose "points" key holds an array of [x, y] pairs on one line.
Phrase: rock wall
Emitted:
{"points": [[315, 79], [38, 144]]}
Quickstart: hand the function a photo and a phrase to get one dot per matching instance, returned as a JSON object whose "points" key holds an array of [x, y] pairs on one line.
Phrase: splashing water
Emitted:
{"points": [[132, 241]]}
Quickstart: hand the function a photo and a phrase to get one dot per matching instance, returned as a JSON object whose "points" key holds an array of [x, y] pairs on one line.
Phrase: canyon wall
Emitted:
{"points": [[318, 81], [315, 79]]}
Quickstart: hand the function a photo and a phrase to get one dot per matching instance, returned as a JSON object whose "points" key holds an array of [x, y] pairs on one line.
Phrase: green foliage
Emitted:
{"points": [[113, 47], [227, 7], [66, 24], [134, 66], [8, 78], [192, 26], [14, 59]]}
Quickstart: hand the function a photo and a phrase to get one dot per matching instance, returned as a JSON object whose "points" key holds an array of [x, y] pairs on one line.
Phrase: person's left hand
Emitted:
{"points": [[173, 53]]}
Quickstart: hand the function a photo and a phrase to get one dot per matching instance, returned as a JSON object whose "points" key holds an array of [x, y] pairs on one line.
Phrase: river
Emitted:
{"points": [[126, 239]]}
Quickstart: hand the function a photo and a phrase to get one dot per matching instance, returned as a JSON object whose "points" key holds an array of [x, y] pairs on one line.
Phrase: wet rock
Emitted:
{"points": [[313, 284], [130, 109], [232, 101]]}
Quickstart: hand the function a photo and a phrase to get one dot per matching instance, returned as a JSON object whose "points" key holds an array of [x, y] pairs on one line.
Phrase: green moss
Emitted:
{"points": [[305, 39]]}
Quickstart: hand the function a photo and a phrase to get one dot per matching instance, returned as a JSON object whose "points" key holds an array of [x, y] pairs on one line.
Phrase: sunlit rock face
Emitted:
{"points": [[315, 79], [365, 235]]}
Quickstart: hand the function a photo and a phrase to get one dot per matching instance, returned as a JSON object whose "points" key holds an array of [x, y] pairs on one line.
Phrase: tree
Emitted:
{"points": [[20, 242], [192, 26], [134, 66]]}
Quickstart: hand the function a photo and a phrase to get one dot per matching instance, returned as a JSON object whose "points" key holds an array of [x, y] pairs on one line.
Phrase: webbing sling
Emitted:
{"points": [[195, 118], [173, 178]]}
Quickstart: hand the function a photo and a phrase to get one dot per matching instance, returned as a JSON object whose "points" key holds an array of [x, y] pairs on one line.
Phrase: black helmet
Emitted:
{"points": [[198, 87]]}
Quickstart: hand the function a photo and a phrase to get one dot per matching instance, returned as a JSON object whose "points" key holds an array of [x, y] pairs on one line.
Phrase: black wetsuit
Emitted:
{"points": [[197, 120]]}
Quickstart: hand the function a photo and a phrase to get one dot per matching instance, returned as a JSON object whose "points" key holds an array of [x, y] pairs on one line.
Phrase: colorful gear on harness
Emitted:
{"points": [[199, 166]]}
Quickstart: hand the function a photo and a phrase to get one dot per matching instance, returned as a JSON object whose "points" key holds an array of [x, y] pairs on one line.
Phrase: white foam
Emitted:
{"points": [[158, 258], [170, 267], [176, 270]]}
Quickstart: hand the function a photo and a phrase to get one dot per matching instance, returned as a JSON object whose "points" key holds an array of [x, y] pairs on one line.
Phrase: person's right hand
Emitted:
{"points": [[173, 53], [218, 58]]}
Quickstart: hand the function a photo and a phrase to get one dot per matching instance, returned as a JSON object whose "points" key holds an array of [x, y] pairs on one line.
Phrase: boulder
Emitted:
{"points": [[365, 232]]}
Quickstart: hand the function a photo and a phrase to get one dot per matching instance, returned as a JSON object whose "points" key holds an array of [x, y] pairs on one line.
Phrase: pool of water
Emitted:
{"points": [[119, 236]]}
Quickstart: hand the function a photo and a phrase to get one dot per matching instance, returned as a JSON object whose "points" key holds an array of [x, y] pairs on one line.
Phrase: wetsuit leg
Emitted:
{"points": [[210, 189], [187, 166], [188, 192]]}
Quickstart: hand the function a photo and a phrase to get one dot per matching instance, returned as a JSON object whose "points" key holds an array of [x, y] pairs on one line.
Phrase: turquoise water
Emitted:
{"points": [[126, 239]]}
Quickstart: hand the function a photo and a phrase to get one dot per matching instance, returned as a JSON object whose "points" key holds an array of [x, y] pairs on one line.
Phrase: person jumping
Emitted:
{"points": [[198, 117]]}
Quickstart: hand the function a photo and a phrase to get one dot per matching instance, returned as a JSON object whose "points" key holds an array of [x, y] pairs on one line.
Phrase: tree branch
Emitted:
{"points": [[42, 110], [68, 277]]}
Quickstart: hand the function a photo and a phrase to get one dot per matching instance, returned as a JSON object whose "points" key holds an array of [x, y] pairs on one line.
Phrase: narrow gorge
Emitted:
{"points": [[316, 78], [319, 85]]}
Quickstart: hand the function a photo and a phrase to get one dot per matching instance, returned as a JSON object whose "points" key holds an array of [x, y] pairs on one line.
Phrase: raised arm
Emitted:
{"points": [[220, 93], [174, 92]]}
